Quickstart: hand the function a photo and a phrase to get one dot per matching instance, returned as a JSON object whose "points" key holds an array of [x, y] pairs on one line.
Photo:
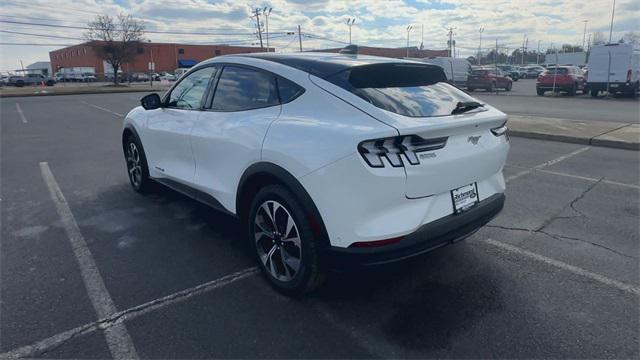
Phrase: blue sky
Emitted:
{"points": [[378, 22]]}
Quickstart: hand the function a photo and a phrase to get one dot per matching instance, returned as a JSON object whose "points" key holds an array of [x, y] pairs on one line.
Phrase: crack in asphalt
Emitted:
{"points": [[552, 219]]}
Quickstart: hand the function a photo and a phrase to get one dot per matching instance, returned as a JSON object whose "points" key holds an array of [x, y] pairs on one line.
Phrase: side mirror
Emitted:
{"points": [[151, 101]]}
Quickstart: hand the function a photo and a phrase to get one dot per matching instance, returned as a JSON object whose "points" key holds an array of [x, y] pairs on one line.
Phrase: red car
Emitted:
{"points": [[488, 79], [568, 79]]}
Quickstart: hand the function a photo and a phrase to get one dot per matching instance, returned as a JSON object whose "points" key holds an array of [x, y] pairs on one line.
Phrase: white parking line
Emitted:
{"points": [[101, 108], [24, 119], [54, 341], [586, 178], [545, 164], [117, 336], [564, 266]]}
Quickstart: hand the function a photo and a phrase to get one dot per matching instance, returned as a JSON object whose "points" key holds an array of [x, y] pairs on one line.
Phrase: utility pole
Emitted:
{"points": [[266, 16], [613, 11], [589, 43], [450, 41], [350, 22], [422, 38], [523, 50], [408, 32], [480, 47], [538, 54], [300, 38], [496, 61], [256, 14], [584, 33]]}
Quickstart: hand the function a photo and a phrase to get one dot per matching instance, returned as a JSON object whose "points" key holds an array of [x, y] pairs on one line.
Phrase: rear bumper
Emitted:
{"points": [[613, 87], [441, 232]]}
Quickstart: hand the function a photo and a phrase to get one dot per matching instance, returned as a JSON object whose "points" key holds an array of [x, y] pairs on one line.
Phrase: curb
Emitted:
{"points": [[576, 140], [88, 92]]}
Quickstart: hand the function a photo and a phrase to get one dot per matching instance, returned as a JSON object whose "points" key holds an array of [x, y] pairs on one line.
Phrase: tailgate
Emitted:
{"points": [[472, 153]]}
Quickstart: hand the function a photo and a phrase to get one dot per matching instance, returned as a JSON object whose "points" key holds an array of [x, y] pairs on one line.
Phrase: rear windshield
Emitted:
{"points": [[557, 71], [406, 89]]}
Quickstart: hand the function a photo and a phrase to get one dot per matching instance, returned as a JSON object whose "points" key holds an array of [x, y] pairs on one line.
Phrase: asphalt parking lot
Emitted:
{"points": [[554, 276], [523, 100]]}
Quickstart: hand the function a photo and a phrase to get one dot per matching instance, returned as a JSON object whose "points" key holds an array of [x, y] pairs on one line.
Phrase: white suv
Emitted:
{"points": [[329, 160]]}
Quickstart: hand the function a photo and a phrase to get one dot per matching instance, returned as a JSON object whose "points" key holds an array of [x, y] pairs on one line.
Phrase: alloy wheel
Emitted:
{"points": [[134, 165], [277, 241]]}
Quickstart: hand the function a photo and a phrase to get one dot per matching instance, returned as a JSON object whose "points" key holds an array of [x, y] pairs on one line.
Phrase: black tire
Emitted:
{"points": [[139, 179], [540, 92], [309, 275], [509, 86], [470, 89], [19, 83], [491, 87], [594, 93], [573, 90], [50, 82]]}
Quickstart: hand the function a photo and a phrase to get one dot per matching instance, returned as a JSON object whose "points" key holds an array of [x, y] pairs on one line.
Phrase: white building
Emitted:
{"points": [[40, 67]]}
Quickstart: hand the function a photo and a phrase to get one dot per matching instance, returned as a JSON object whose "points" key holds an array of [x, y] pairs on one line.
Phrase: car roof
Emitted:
{"points": [[324, 64]]}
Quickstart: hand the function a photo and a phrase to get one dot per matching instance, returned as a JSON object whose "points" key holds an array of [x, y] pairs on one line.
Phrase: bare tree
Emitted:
{"points": [[598, 38], [116, 41]]}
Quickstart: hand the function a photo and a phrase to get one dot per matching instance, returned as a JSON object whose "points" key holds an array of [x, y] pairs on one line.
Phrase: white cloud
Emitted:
{"points": [[379, 22]]}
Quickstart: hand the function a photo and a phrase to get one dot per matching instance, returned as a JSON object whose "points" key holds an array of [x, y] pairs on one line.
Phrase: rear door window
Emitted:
{"points": [[241, 88], [414, 90]]}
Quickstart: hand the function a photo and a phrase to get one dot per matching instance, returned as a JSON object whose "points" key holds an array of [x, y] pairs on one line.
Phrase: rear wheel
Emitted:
{"points": [[508, 88], [491, 87], [136, 165], [594, 93], [283, 242], [540, 92]]}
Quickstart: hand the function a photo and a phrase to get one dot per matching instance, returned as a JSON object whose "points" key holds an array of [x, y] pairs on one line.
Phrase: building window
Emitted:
{"points": [[180, 51], [218, 52], [140, 50], [85, 51]]}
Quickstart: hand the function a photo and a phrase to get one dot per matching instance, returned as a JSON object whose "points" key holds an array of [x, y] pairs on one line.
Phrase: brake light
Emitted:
{"points": [[394, 149], [500, 130]]}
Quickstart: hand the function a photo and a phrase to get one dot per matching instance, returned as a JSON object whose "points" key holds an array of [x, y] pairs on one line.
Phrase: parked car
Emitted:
{"points": [[617, 65], [402, 164], [569, 79], [510, 71], [31, 79], [179, 72], [139, 77], [4, 80], [488, 79], [167, 76], [533, 71], [522, 72]]}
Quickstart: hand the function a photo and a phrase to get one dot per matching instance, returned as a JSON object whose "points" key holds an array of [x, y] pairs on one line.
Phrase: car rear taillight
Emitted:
{"points": [[500, 130], [394, 149]]}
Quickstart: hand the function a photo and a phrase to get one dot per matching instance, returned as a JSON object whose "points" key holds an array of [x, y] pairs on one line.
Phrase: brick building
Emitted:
{"points": [[166, 56], [399, 53]]}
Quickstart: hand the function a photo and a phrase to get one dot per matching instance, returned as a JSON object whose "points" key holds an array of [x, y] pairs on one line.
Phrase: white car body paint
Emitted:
{"points": [[315, 138]]}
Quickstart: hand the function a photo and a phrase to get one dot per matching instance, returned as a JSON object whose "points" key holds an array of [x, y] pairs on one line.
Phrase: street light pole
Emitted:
{"points": [[350, 22], [613, 11], [480, 47], [408, 32], [266, 16], [584, 33]]}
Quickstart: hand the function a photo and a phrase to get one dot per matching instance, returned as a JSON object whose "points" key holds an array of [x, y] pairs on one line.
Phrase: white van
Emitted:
{"points": [[615, 64], [457, 70]]}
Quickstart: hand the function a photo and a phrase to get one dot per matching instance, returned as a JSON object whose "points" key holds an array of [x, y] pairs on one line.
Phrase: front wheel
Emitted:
{"points": [[573, 90], [136, 165], [509, 86], [594, 93], [491, 87], [283, 242]]}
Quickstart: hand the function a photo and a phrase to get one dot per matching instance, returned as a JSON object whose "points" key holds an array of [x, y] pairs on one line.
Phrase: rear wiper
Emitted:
{"points": [[464, 106]]}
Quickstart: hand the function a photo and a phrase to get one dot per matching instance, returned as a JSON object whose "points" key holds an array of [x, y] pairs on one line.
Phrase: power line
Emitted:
{"points": [[118, 30], [40, 35]]}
